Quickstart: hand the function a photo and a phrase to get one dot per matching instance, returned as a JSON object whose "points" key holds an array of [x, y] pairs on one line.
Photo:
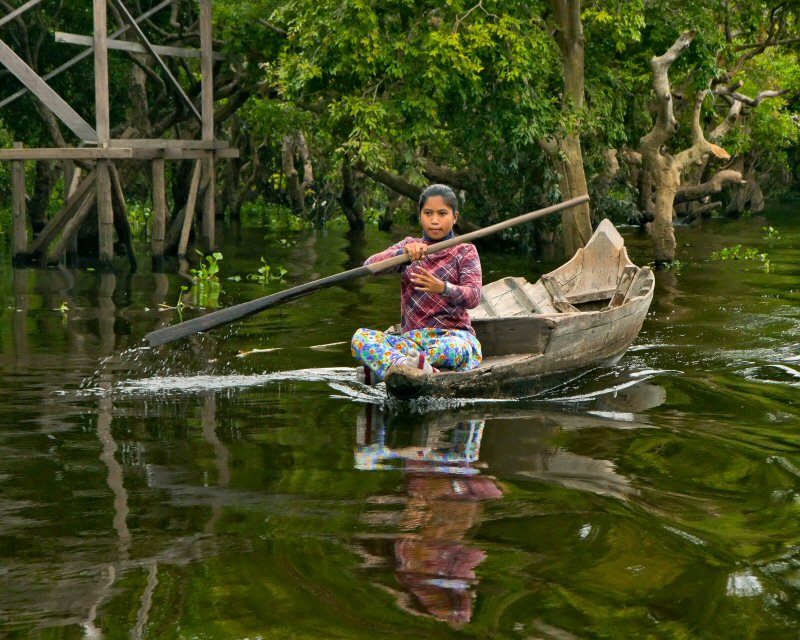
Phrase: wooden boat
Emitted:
{"points": [[583, 315]]}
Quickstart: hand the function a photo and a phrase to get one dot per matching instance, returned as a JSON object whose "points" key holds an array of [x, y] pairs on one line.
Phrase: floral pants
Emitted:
{"points": [[444, 348]]}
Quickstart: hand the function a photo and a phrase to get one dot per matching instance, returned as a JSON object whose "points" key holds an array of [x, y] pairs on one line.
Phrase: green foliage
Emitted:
{"points": [[139, 215], [771, 233]]}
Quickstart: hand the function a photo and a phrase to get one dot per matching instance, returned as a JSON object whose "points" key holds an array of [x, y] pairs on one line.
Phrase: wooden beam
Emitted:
{"points": [[101, 72], [168, 143], [134, 47], [207, 102], [38, 87], [183, 154], [159, 208], [105, 215], [143, 39], [557, 295], [18, 191], [57, 222], [18, 11], [66, 153], [191, 202], [85, 54]]}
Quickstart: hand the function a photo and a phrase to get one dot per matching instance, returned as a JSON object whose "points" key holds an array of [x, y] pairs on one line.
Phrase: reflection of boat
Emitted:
{"points": [[444, 457], [584, 314]]}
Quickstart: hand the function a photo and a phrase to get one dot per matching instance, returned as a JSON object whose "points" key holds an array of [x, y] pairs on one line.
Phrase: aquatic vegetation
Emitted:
{"points": [[207, 271], [179, 305], [266, 273], [738, 252], [771, 233]]}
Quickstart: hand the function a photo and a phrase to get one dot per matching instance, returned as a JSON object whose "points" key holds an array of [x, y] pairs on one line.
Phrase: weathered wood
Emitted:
{"points": [[135, 47], [18, 11], [206, 71], [591, 296], [183, 154], [207, 105], [121, 221], [520, 334], [39, 88], [57, 222], [640, 284], [164, 68], [557, 295], [168, 143], [206, 65], [20, 221], [85, 54], [66, 153], [191, 202], [101, 73], [105, 215], [159, 208], [623, 286]]}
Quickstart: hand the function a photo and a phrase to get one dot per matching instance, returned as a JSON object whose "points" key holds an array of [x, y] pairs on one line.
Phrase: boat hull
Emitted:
{"points": [[603, 300]]}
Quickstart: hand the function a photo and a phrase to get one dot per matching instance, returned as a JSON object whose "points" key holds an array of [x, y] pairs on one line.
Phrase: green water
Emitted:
{"points": [[193, 493]]}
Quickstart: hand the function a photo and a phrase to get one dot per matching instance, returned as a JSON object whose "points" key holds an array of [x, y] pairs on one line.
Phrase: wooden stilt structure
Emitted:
{"points": [[102, 187]]}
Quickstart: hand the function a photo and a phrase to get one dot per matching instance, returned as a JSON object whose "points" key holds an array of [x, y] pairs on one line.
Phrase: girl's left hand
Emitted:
{"points": [[425, 281]]}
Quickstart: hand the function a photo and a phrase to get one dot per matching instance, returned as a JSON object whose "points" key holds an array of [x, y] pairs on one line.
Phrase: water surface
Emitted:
{"points": [[243, 484]]}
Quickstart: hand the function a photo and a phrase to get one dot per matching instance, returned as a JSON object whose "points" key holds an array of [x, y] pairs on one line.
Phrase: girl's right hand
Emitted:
{"points": [[416, 250]]}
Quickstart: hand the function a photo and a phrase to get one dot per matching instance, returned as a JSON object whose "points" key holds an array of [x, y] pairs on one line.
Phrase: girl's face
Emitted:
{"points": [[437, 218]]}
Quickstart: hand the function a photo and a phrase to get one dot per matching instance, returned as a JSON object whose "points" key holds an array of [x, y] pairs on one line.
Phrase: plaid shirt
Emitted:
{"points": [[458, 265]]}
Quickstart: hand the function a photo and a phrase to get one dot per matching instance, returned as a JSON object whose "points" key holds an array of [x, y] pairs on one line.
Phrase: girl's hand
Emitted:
{"points": [[416, 250], [426, 281]]}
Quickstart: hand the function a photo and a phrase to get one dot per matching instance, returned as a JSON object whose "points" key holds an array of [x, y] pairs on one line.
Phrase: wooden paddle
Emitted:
{"points": [[239, 311]]}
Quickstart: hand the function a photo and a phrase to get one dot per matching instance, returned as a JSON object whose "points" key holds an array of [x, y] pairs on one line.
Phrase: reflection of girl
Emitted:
{"points": [[437, 290]]}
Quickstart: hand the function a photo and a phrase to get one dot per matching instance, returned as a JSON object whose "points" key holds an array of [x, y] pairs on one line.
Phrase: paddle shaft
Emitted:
{"points": [[239, 311]]}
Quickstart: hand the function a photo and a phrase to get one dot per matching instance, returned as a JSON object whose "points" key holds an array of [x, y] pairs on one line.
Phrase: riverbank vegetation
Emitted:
{"points": [[347, 108]]}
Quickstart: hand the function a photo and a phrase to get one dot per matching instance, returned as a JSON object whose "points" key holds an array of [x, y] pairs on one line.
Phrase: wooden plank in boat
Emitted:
{"points": [[520, 334], [557, 295], [622, 288]]}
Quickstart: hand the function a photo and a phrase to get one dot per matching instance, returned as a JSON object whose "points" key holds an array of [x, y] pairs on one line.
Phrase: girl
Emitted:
{"points": [[436, 292]]}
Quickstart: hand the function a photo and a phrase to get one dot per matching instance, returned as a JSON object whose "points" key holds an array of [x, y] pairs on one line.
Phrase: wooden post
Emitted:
{"points": [[191, 203], [20, 227], [207, 92], [105, 212], [105, 215], [159, 213]]}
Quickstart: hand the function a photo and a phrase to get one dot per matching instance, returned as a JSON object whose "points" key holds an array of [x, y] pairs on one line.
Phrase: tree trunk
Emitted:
{"points": [[576, 221], [295, 146], [566, 152], [349, 199], [661, 173]]}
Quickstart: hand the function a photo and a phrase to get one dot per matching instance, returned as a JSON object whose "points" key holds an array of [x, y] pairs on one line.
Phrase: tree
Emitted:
{"points": [[566, 149]]}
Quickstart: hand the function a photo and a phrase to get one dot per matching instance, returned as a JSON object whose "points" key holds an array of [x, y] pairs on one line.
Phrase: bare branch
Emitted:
{"points": [[717, 183]]}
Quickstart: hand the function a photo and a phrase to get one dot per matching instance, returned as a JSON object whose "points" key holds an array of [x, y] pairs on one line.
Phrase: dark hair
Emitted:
{"points": [[442, 190]]}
